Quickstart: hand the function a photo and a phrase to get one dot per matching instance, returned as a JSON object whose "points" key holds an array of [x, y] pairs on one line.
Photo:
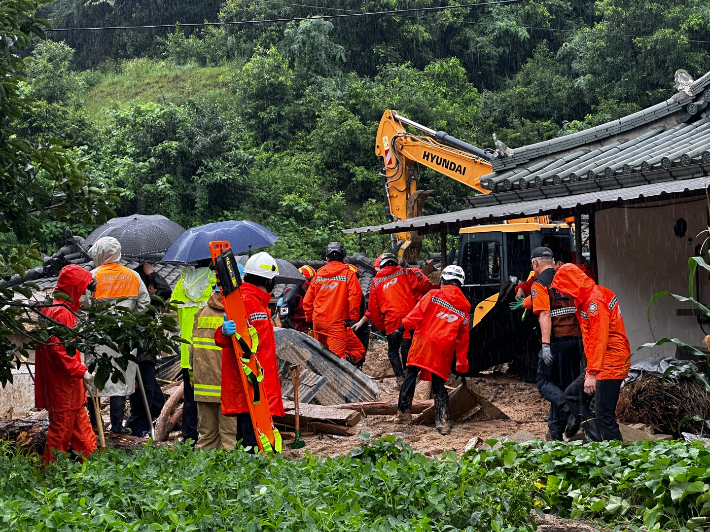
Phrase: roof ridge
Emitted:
{"points": [[639, 118]]}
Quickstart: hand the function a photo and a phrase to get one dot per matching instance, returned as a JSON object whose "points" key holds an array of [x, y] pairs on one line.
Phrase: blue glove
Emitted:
{"points": [[228, 327], [547, 355]]}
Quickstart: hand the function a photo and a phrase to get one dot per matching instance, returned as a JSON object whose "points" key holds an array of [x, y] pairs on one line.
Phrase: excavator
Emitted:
{"points": [[492, 256]]}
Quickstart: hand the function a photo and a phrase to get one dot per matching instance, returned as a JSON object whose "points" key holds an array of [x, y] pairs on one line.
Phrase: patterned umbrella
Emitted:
{"points": [[242, 235], [140, 235]]}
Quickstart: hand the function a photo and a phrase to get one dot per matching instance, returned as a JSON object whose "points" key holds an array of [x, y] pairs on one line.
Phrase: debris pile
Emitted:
{"points": [[664, 406]]}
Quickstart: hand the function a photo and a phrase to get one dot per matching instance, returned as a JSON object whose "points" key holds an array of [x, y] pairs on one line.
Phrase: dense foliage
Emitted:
{"points": [[382, 486], [275, 121]]}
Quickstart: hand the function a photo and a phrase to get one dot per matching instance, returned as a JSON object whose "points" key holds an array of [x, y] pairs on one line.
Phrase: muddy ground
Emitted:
{"points": [[520, 401]]}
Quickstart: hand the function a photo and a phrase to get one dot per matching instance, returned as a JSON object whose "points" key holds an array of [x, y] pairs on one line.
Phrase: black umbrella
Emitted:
{"points": [[140, 235], [288, 273]]}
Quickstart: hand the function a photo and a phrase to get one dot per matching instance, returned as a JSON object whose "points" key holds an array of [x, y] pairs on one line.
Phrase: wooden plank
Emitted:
{"points": [[381, 408], [318, 413]]}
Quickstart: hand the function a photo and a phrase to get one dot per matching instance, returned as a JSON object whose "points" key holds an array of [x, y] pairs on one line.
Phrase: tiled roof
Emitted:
{"points": [[169, 272], [662, 149], [563, 203], [681, 103]]}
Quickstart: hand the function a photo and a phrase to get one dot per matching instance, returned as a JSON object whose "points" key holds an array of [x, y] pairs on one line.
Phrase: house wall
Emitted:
{"points": [[638, 255]]}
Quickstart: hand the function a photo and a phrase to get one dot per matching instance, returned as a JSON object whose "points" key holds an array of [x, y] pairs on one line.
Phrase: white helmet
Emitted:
{"points": [[453, 273], [262, 265]]}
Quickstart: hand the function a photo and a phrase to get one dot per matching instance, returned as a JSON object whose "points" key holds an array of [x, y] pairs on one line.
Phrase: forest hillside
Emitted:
{"points": [[274, 120]]}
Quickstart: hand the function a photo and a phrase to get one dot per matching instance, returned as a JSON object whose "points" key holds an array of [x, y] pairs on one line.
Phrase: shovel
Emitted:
{"points": [[145, 403], [297, 442]]}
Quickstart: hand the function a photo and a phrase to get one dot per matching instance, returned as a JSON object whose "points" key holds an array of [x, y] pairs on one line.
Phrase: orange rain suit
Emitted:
{"points": [[605, 343], [233, 398], [59, 383], [334, 298], [440, 322], [394, 293]]}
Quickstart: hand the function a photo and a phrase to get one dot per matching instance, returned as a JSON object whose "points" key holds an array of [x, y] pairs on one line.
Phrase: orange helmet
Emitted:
{"points": [[354, 269], [376, 264], [308, 272]]}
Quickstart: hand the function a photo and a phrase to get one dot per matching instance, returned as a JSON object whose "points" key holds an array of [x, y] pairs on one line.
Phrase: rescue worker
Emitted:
{"points": [[260, 273], [440, 335], [115, 281], [332, 304], [562, 354], [291, 313], [191, 293], [394, 293], [606, 348], [363, 334], [216, 429], [60, 377]]}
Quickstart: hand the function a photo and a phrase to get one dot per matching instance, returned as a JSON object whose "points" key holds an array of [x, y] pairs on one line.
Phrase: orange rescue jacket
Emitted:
{"points": [[233, 398], [440, 321], [394, 293], [333, 297], [605, 343]]}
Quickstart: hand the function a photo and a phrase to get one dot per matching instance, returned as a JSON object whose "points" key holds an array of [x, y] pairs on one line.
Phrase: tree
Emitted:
{"points": [[45, 178]]}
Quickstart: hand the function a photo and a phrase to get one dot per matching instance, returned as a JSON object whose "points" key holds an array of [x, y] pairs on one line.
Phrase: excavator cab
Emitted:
{"points": [[492, 254], [495, 258]]}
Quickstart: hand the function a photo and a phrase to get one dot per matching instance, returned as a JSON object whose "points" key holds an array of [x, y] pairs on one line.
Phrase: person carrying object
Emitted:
{"points": [[606, 347], [113, 282], [260, 273], [562, 355], [440, 336], [60, 377]]}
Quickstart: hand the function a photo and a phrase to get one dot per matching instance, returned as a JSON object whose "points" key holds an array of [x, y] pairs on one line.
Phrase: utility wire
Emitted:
{"points": [[297, 19]]}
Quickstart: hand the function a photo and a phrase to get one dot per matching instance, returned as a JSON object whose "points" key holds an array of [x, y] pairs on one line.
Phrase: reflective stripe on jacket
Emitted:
{"points": [[395, 291], [256, 304], [333, 297], [205, 355], [191, 293], [440, 321], [605, 343]]}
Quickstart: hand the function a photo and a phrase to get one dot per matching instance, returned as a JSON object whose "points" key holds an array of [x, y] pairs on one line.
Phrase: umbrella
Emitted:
{"points": [[140, 235], [288, 273], [242, 236]]}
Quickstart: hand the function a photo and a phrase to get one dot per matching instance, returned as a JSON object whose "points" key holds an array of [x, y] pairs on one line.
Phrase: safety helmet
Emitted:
{"points": [[262, 265], [388, 259], [453, 273], [376, 264], [335, 248], [308, 272]]}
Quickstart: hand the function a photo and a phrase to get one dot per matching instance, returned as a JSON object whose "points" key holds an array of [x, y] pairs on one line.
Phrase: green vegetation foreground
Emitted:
{"points": [[381, 486]]}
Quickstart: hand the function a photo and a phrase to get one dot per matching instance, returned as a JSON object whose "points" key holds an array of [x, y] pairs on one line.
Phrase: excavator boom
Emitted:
{"points": [[399, 153]]}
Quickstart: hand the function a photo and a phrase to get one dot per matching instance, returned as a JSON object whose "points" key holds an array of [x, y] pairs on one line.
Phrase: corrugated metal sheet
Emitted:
{"points": [[542, 205]]}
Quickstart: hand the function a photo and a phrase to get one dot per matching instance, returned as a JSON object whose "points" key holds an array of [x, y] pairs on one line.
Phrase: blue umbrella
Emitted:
{"points": [[243, 236]]}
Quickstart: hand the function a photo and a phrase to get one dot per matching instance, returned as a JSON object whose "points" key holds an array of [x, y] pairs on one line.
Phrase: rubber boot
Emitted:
{"points": [[573, 423], [591, 430]]}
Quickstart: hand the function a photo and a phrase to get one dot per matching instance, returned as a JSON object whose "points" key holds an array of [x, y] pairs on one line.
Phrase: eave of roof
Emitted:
{"points": [[559, 200]]}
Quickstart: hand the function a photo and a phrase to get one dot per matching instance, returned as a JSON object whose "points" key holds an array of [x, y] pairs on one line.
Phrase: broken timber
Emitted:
{"points": [[464, 404], [380, 408], [321, 418]]}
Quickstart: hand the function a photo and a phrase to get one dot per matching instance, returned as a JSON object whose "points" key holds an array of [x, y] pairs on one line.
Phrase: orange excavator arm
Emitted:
{"points": [[399, 151]]}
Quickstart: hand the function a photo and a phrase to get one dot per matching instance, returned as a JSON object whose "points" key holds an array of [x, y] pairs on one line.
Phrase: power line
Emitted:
{"points": [[297, 19]]}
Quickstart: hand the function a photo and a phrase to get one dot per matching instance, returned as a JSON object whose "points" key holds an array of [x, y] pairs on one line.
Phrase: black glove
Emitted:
{"points": [[398, 333]]}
